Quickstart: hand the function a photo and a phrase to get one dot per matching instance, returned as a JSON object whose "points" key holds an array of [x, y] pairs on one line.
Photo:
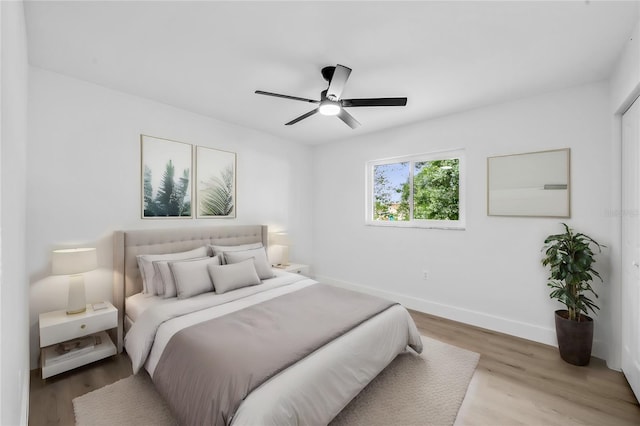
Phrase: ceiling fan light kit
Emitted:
{"points": [[330, 99], [329, 108]]}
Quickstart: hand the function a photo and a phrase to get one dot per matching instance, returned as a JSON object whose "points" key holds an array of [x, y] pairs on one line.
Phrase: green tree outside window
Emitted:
{"points": [[420, 189]]}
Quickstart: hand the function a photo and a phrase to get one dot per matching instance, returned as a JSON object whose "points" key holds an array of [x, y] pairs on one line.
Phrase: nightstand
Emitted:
{"points": [[59, 328], [297, 268]]}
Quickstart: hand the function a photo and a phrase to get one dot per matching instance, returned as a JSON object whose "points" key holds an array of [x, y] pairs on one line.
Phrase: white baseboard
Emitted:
{"points": [[467, 316]]}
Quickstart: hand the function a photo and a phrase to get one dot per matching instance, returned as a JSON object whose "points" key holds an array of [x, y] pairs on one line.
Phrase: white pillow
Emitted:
{"points": [[152, 282], [259, 255], [169, 284], [219, 250], [231, 277], [192, 278]]}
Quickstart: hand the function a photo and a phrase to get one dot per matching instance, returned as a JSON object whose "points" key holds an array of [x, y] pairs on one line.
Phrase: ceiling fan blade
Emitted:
{"points": [[348, 119], [277, 95], [373, 102], [338, 81], [302, 117]]}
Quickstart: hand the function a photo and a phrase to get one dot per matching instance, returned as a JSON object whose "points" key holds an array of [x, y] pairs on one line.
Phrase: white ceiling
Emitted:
{"points": [[209, 57]]}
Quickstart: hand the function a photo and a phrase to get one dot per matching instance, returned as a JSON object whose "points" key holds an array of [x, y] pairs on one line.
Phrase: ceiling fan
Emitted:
{"points": [[330, 101]]}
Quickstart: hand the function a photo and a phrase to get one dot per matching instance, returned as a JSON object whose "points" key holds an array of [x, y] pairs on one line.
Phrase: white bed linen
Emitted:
{"points": [[140, 302], [169, 328], [315, 389], [140, 338], [136, 304]]}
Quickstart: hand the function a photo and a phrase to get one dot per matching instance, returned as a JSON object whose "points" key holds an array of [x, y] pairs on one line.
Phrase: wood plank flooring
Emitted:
{"points": [[50, 399], [518, 382]]}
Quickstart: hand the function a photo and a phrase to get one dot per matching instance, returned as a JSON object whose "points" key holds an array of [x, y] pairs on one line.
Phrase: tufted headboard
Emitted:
{"points": [[128, 244]]}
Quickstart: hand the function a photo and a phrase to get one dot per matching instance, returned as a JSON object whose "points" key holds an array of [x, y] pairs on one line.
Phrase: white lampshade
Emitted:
{"points": [[279, 238], [74, 262]]}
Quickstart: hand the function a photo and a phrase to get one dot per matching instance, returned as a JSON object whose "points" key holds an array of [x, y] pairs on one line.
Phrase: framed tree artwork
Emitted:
{"points": [[215, 183], [166, 178]]}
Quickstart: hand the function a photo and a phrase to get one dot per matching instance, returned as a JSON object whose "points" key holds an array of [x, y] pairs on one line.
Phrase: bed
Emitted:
{"points": [[310, 382]]}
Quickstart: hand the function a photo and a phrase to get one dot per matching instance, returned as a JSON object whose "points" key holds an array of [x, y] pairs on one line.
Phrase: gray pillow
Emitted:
{"points": [[220, 250], [231, 277], [169, 284], [152, 282], [259, 255], [192, 278]]}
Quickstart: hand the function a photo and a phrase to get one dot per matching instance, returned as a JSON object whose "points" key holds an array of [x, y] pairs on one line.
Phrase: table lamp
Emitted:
{"points": [[74, 262], [281, 242]]}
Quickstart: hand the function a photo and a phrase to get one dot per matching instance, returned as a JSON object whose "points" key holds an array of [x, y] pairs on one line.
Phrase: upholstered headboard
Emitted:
{"points": [[128, 244]]}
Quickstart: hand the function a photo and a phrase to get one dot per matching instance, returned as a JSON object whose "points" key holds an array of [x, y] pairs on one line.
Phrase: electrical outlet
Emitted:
{"points": [[425, 275]]}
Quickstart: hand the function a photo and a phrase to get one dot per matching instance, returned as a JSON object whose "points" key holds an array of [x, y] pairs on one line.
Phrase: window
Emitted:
{"points": [[423, 190]]}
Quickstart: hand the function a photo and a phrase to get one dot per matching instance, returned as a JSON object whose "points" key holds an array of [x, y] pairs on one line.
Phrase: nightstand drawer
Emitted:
{"points": [[74, 326]]}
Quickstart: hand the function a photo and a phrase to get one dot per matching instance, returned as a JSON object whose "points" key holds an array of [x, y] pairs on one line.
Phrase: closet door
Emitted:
{"points": [[631, 246]]}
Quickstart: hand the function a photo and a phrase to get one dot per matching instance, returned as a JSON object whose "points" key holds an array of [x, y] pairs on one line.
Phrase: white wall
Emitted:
{"points": [[14, 343], [84, 178], [490, 274]]}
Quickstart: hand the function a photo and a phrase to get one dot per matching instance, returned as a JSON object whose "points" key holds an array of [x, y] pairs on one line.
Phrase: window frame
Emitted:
{"points": [[455, 154]]}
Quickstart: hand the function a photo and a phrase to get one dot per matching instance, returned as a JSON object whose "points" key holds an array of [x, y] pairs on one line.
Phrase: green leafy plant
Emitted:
{"points": [[570, 258], [435, 190], [217, 195]]}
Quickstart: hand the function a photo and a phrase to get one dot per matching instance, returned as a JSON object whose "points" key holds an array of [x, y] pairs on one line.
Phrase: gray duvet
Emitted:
{"points": [[207, 369]]}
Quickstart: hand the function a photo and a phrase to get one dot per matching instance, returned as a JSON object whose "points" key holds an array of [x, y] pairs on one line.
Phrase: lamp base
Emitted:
{"points": [[284, 256], [76, 303]]}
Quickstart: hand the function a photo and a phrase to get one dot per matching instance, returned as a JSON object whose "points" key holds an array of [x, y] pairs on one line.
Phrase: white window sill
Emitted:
{"points": [[452, 226]]}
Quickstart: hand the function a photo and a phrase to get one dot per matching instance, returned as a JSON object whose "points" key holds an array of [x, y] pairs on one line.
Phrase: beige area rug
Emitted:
{"points": [[413, 390]]}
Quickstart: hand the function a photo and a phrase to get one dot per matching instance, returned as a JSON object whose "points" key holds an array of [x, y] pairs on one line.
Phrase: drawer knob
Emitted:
{"points": [[83, 326]]}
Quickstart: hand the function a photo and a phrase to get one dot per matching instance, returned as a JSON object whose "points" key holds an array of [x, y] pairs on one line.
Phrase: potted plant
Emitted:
{"points": [[570, 258]]}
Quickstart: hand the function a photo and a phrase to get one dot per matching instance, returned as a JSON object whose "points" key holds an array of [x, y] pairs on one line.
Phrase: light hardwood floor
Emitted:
{"points": [[520, 382], [517, 382]]}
